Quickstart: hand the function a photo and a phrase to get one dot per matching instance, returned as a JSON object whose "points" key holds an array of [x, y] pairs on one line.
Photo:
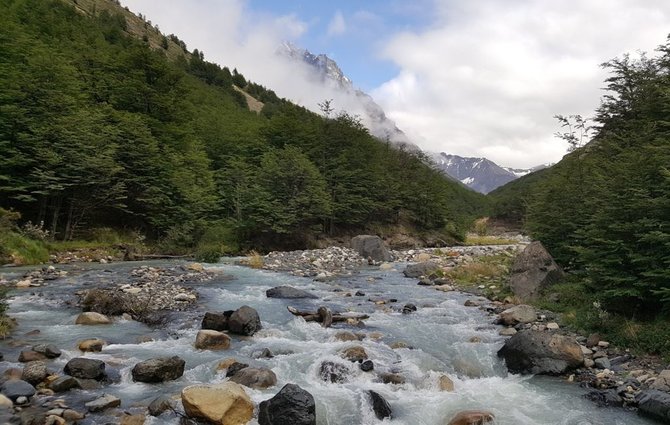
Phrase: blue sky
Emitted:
{"points": [[352, 32], [479, 78]]}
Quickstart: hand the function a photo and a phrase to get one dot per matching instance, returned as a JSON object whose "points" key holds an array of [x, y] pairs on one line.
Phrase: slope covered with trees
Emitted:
{"points": [[604, 210], [100, 128]]}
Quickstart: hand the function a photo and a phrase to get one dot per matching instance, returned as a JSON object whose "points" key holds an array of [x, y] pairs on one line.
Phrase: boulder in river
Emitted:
{"points": [[15, 388], [26, 356], [216, 321], [212, 340], [160, 369], [518, 314], [417, 270], [225, 404], [92, 345], [63, 383], [539, 352], [160, 404], [373, 247], [34, 372], [107, 401], [290, 406], [654, 403], [49, 350], [288, 292], [354, 354], [533, 270], [244, 321], [92, 318], [472, 417], [256, 378], [84, 368], [380, 406]]}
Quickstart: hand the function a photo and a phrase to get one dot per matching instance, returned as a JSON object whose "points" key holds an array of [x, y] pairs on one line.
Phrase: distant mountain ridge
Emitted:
{"points": [[329, 73], [479, 174]]}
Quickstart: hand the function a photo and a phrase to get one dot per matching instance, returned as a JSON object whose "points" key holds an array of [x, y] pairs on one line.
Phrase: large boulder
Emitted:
{"points": [[373, 247], [518, 314], [244, 321], [541, 353], [160, 369], [654, 403], [224, 404], [84, 368], [290, 406], [92, 318], [211, 340], [380, 406], [253, 377], [472, 417], [216, 321], [15, 388], [288, 292], [532, 271], [425, 268]]}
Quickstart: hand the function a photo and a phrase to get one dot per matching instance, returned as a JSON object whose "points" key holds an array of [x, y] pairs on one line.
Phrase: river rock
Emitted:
{"points": [[30, 356], [507, 332], [367, 366], [288, 292], [160, 369], [518, 314], [334, 372], [373, 247], [354, 354], [160, 404], [49, 350], [63, 383], [417, 270], [539, 352], [445, 383], [216, 321], [472, 417], [107, 401], [138, 419], [92, 345], [15, 388], [244, 321], [92, 318], [212, 340], [257, 378], [84, 368], [290, 406], [235, 367], [662, 382], [533, 270], [654, 403], [34, 372], [5, 403], [391, 378], [602, 363], [380, 406], [224, 404], [408, 308], [346, 336]]}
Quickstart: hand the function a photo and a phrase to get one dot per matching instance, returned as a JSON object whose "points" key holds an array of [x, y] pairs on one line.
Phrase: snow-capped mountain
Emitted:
{"points": [[329, 73], [480, 174]]}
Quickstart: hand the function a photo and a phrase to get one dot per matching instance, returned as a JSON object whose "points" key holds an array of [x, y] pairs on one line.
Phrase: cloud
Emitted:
{"points": [[486, 78], [337, 25]]}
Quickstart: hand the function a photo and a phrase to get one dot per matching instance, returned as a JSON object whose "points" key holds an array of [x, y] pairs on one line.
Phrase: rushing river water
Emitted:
{"points": [[439, 333]]}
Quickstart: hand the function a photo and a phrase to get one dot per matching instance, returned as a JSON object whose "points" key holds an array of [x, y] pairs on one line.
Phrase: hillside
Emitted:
{"points": [[105, 127]]}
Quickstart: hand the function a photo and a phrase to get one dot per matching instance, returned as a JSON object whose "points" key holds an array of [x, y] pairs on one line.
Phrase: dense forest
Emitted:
{"points": [[604, 210], [101, 129]]}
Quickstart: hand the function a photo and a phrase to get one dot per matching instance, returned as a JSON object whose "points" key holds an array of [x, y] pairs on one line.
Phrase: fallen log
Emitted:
{"points": [[324, 316]]}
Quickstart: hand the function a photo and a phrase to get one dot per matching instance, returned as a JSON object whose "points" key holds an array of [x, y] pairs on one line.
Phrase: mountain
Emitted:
{"points": [[480, 174], [327, 72]]}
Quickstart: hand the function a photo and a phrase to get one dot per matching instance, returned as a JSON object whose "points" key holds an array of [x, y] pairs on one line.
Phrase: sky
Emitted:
{"points": [[479, 78]]}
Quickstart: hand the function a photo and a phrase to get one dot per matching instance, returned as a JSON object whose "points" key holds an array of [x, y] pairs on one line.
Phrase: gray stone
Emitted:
{"points": [[257, 378], [380, 406], [417, 270], [159, 369], [216, 321], [655, 404], [160, 404], [539, 352], [15, 388], [602, 363], [288, 292], [290, 406], [64, 383], [373, 247], [84, 368], [107, 401], [49, 350], [518, 314], [533, 270], [244, 321]]}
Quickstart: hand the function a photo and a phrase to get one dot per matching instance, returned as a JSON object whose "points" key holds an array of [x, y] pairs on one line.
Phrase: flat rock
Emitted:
{"points": [[224, 404], [92, 318], [63, 383], [521, 313], [15, 388], [288, 292], [211, 340], [107, 401]]}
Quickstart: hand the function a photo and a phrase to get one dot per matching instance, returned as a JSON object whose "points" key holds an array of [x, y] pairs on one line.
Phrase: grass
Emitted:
{"points": [[491, 270], [473, 239], [19, 250], [254, 260]]}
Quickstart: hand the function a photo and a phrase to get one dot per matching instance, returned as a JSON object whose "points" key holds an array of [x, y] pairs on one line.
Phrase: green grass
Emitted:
{"points": [[472, 239], [17, 249], [490, 270]]}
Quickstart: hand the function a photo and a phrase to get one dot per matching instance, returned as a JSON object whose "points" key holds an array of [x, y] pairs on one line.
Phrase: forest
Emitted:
{"points": [[100, 129]]}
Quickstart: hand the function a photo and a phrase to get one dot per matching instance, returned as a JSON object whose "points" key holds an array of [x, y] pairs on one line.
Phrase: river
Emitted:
{"points": [[439, 333]]}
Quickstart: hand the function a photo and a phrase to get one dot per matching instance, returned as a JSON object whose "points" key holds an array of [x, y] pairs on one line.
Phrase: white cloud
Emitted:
{"points": [[487, 77], [337, 25]]}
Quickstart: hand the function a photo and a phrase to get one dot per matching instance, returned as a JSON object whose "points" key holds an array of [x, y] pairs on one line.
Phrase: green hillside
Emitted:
{"points": [[106, 123]]}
